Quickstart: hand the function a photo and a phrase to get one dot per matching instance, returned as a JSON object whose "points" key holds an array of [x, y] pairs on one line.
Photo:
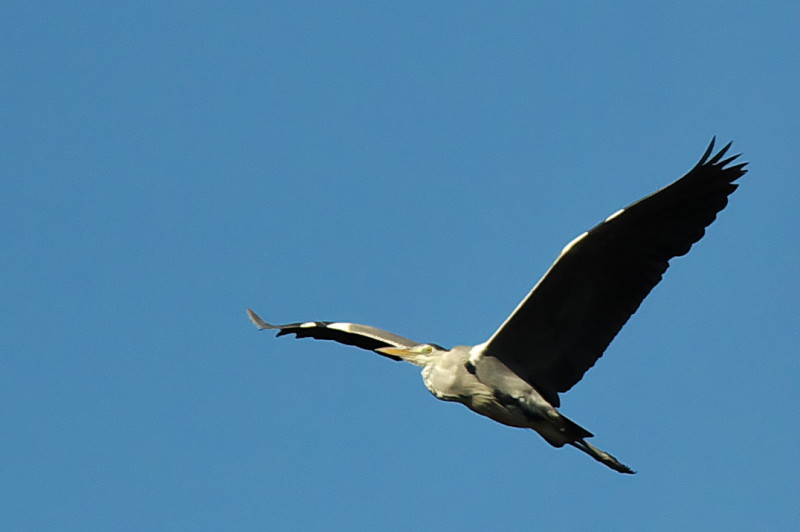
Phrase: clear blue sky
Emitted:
{"points": [[166, 165]]}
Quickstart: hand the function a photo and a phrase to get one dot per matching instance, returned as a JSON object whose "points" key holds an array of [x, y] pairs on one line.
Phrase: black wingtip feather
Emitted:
{"points": [[741, 168], [708, 151], [714, 160], [729, 160]]}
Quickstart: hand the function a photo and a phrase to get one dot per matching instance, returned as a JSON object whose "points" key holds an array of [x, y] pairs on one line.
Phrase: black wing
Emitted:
{"points": [[566, 322], [363, 336]]}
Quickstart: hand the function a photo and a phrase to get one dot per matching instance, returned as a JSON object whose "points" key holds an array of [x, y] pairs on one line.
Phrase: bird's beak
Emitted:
{"points": [[417, 355], [397, 352]]}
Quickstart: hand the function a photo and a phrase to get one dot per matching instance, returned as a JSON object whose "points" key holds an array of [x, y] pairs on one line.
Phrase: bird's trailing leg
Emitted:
{"points": [[601, 456]]}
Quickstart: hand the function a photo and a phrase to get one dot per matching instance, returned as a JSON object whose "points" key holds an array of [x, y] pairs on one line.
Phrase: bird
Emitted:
{"points": [[566, 322]]}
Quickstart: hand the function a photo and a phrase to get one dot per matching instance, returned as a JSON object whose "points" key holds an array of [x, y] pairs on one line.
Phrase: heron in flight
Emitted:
{"points": [[569, 317]]}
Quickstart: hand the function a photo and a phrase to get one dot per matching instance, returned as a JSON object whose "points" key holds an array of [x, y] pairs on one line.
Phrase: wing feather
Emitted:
{"points": [[566, 322], [363, 336]]}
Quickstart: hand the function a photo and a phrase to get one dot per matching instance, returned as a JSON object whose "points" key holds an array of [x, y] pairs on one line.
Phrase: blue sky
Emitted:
{"points": [[411, 166]]}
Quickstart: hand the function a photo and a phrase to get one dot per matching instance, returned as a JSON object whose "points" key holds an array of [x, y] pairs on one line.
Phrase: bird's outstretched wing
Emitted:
{"points": [[363, 336], [566, 322]]}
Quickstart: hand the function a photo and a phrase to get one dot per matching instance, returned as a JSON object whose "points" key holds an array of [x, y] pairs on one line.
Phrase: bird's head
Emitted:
{"points": [[419, 354]]}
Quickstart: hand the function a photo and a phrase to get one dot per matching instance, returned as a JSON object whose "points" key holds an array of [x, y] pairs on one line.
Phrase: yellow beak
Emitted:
{"points": [[394, 351]]}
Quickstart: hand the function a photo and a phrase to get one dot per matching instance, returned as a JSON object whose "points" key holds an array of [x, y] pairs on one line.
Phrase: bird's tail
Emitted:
{"points": [[601, 456]]}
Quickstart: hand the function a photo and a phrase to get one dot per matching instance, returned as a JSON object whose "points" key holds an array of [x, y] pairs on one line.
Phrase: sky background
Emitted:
{"points": [[411, 165]]}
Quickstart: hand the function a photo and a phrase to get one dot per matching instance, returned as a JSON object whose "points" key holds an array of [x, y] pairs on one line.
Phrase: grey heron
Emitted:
{"points": [[564, 324]]}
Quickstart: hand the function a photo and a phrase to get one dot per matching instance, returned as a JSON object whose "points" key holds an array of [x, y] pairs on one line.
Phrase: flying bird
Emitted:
{"points": [[568, 319]]}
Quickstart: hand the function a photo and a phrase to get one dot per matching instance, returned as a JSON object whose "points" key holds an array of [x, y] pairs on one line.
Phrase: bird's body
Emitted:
{"points": [[566, 322], [505, 398]]}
